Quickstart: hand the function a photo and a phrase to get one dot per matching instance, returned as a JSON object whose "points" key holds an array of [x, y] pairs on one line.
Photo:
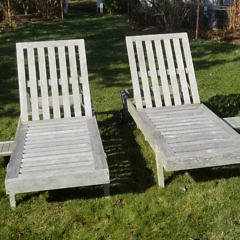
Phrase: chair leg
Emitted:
{"points": [[124, 111], [160, 173], [107, 190], [12, 200]]}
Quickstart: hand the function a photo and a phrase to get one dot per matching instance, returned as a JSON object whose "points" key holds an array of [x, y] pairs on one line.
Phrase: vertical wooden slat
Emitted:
{"points": [[162, 72], [43, 82], [191, 73], [54, 83], [172, 72], [143, 72], [134, 74], [153, 73], [181, 71], [84, 78], [74, 81], [64, 80], [22, 83], [33, 83]]}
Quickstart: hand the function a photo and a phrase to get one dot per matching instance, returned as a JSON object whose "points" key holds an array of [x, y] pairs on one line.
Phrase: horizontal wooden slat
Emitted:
{"points": [[56, 121], [54, 152], [177, 124], [195, 137], [33, 162], [57, 142], [156, 36], [199, 142], [203, 146], [54, 172], [60, 132], [57, 128], [57, 148], [204, 153], [53, 136], [78, 155], [49, 43], [54, 167], [34, 142], [178, 120], [173, 108], [186, 132]]}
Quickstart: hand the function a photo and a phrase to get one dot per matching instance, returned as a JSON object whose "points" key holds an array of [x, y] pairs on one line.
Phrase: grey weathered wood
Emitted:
{"points": [[160, 173], [49, 163], [64, 78], [51, 60], [153, 74], [181, 71], [54, 83], [170, 49], [162, 73], [16, 157], [98, 151], [6, 148], [12, 201], [173, 78], [84, 78], [74, 80], [187, 135], [66, 150], [143, 72], [33, 83], [191, 73], [22, 83], [234, 122], [134, 74], [225, 138], [43, 83]]}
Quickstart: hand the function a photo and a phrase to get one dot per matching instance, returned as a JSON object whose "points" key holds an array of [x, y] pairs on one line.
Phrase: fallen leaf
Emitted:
{"points": [[118, 202]]}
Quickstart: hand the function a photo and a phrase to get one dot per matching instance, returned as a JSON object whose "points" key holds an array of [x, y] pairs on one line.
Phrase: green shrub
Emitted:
{"points": [[115, 6]]}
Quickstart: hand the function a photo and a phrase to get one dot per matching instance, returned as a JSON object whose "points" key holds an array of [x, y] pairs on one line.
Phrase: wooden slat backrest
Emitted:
{"points": [[55, 73], [162, 61]]}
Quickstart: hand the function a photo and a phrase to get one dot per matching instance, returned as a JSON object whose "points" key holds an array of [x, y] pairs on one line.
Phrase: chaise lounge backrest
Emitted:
{"points": [[53, 80], [162, 70]]}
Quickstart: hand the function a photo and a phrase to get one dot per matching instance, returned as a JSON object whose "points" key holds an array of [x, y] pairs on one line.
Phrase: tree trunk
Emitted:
{"points": [[9, 13], [61, 6], [197, 19]]}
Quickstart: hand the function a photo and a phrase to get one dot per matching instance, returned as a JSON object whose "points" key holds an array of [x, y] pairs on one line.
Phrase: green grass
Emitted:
{"points": [[209, 208]]}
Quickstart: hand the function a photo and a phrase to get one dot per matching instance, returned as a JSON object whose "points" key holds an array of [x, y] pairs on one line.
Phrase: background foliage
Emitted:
{"points": [[44, 8], [115, 6]]}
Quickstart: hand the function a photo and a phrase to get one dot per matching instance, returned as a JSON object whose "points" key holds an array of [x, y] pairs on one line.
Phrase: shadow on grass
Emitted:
{"points": [[207, 55], [215, 173], [5, 161], [224, 106], [128, 170]]}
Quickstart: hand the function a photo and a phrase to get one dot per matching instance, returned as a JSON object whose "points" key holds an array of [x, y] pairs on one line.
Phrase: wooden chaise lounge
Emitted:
{"points": [[57, 143], [165, 104]]}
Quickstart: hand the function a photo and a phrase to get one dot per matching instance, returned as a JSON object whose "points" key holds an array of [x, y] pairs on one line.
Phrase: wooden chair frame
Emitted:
{"points": [[57, 143], [165, 104]]}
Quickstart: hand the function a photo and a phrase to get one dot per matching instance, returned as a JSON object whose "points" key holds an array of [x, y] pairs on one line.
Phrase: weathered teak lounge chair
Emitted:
{"points": [[57, 143], [183, 133]]}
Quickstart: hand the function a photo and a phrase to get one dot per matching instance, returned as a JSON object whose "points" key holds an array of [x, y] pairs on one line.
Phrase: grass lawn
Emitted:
{"points": [[196, 204]]}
